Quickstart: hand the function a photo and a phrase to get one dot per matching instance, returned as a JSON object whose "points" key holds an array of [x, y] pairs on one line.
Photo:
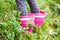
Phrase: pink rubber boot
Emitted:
{"points": [[39, 18], [24, 20], [30, 30]]}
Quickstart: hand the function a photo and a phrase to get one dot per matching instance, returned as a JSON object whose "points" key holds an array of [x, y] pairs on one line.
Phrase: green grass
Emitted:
{"points": [[10, 28]]}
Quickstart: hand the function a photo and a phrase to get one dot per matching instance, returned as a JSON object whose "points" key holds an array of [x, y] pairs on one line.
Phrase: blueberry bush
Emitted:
{"points": [[10, 28]]}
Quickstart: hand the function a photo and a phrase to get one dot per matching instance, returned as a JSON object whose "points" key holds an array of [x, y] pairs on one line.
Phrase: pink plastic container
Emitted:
{"points": [[40, 18]]}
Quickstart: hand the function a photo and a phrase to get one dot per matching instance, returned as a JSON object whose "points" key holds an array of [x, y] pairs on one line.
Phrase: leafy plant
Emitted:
{"points": [[10, 28]]}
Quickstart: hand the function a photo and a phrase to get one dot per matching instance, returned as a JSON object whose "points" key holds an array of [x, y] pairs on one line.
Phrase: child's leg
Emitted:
{"points": [[21, 7], [38, 19], [33, 6]]}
